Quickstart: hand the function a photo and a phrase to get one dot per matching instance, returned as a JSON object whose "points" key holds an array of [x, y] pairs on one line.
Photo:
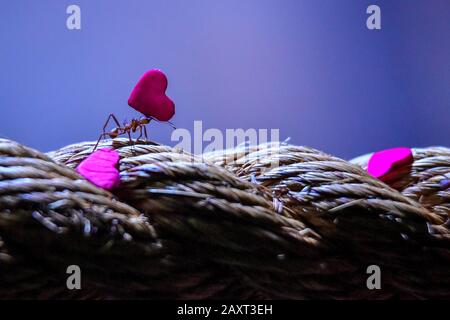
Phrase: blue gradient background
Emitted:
{"points": [[310, 68]]}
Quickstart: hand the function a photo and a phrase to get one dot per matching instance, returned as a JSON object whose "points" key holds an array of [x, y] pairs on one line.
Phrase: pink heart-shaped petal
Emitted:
{"points": [[149, 96], [100, 168], [387, 165]]}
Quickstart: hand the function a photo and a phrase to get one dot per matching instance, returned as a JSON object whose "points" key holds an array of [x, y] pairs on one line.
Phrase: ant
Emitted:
{"points": [[127, 128]]}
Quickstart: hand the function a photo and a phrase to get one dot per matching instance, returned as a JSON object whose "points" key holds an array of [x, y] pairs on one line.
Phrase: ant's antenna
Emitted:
{"points": [[165, 122]]}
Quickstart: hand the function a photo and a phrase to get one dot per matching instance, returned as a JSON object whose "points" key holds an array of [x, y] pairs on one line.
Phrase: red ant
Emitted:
{"points": [[127, 128]]}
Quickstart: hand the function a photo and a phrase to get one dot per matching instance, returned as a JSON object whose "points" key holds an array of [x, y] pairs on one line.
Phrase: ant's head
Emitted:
{"points": [[144, 120]]}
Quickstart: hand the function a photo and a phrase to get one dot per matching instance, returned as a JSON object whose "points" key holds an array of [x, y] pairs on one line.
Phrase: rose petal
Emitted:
{"points": [[388, 165], [100, 168]]}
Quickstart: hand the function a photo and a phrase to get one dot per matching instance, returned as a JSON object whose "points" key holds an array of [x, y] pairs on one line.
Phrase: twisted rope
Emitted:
{"points": [[268, 221], [428, 181]]}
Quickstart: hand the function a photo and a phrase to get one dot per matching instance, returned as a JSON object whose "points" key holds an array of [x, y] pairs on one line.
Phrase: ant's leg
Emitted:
{"points": [[145, 132], [129, 137], [115, 119], [140, 132], [103, 130], [111, 116], [104, 134], [100, 138], [132, 143]]}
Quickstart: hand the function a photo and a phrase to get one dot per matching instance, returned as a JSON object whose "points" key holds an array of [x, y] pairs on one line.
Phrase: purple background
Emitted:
{"points": [[310, 68]]}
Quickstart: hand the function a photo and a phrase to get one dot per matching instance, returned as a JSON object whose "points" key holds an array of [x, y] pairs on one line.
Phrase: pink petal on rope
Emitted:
{"points": [[386, 165], [100, 168], [149, 96]]}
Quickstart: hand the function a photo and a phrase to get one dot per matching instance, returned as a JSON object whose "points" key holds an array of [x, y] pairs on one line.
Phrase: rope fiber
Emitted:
{"points": [[272, 221]]}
